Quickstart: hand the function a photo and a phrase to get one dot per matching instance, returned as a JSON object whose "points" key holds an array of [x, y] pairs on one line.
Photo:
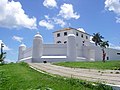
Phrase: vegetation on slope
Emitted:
{"points": [[113, 65], [21, 77]]}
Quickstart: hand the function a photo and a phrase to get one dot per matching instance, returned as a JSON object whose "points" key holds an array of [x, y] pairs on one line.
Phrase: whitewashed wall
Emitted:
{"points": [[62, 38], [49, 50], [112, 54], [27, 52], [79, 52], [88, 52], [54, 50], [98, 53]]}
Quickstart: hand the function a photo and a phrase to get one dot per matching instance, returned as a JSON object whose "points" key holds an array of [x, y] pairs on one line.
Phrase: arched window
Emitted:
{"points": [[65, 41], [76, 33], [58, 41]]}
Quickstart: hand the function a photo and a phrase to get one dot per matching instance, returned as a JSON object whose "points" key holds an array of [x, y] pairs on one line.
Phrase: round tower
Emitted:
{"points": [[37, 47], [71, 47], [22, 48]]}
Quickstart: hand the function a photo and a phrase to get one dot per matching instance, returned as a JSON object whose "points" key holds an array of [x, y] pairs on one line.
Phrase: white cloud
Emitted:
{"points": [[46, 17], [49, 23], [46, 24], [13, 16], [114, 6], [50, 3], [81, 29], [59, 22], [117, 19], [17, 38], [67, 12], [5, 47], [114, 46]]}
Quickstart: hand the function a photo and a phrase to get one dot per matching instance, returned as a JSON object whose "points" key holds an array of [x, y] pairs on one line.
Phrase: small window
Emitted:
{"points": [[58, 41], [86, 37], [118, 53], [65, 41], [58, 35], [82, 35], [83, 43], [65, 33], [76, 33]]}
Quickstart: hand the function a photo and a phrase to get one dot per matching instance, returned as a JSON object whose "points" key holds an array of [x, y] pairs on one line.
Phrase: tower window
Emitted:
{"points": [[82, 35], [83, 42], [58, 35], [58, 41], [65, 33], [76, 33], [86, 37]]}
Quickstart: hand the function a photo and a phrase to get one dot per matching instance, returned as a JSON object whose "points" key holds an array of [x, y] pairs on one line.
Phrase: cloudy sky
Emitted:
{"points": [[20, 20]]}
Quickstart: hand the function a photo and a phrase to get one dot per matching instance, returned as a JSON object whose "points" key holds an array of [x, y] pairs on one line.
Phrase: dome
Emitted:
{"points": [[38, 35], [22, 45]]}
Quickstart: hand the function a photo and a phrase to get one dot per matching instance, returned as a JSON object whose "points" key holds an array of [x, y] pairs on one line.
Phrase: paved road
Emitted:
{"points": [[107, 76]]}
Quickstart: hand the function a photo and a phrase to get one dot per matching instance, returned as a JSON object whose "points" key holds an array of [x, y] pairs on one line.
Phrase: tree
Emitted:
{"points": [[103, 45], [97, 38], [2, 55]]}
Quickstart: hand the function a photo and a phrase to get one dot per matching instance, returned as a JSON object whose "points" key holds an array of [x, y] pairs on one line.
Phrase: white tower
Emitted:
{"points": [[22, 48], [71, 47], [37, 47]]}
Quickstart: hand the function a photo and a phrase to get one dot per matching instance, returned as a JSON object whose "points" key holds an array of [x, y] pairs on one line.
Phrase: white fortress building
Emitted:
{"points": [[70, 44]]}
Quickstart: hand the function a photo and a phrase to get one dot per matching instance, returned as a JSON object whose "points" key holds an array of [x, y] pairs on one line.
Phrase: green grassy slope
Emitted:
{"points": [[21, 77], [113, 65]]}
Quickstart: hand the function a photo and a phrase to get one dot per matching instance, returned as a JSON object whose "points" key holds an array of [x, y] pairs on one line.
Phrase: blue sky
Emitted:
{"points": [[21, 19]]}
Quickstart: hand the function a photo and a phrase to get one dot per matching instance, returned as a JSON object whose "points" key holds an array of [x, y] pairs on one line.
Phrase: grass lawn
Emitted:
{"points": [[113, 65], [21, 77]]}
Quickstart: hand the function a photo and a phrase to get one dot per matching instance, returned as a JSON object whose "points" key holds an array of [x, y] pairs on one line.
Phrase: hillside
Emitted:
{"points": [[20, 76]]}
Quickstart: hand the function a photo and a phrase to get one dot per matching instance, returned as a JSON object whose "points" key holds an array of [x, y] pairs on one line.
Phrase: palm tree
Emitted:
{"points": [[97, 38], [103, 45]]}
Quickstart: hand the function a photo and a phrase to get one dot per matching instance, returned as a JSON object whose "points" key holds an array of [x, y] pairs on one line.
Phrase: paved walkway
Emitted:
{"points": [[107, 76]]}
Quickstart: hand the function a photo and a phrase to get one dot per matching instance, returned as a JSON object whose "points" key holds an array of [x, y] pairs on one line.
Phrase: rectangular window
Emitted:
{"points": [[86, 37], [76, 33], [82, 35], [58, 35], [65, 33], [118, 53]]}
